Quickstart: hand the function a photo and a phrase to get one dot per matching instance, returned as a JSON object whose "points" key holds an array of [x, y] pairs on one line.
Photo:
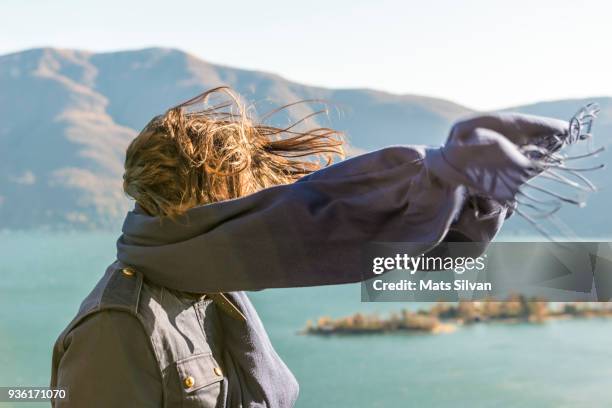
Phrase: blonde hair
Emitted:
{"points": [[189, 157]]}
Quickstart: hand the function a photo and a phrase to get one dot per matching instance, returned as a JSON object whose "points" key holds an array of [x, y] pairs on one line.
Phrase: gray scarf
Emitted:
{"points": [[312, 232]]}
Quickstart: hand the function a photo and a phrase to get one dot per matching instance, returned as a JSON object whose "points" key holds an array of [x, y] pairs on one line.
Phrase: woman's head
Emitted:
{"points": [[198, 153]]}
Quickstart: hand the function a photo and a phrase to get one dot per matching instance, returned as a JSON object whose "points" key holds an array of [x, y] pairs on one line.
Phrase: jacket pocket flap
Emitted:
{"points": [[198, 371]]}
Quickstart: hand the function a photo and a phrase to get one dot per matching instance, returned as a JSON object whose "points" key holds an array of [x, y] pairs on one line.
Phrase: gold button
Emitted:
{"points": [[218, 371], [189, 382], [127, 272]]}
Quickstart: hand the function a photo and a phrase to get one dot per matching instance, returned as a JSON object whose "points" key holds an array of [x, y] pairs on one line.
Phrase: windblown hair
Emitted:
{"points": [[198, 153]]}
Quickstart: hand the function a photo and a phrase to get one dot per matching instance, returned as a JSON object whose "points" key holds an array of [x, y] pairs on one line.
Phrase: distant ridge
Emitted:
{"points": [[66, 117]]}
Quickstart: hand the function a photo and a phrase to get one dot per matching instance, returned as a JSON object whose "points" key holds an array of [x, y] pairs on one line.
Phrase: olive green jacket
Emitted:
{"points": [[135, 344]]}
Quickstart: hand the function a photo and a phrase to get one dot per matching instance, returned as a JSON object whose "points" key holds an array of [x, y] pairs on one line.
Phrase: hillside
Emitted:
{"points": [[66, 117]]}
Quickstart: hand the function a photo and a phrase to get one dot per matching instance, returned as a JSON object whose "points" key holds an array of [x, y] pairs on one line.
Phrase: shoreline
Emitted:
{"points": [[444, 318]]}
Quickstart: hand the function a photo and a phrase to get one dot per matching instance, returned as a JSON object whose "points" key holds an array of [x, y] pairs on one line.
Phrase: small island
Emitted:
{"points": [[445, 317]]}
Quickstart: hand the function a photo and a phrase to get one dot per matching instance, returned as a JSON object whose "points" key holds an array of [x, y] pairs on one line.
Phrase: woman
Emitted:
{"points": [[226, 205]]}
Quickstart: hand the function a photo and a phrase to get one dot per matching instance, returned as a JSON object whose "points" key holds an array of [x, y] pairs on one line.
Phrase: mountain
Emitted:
{"points": [[66, 117]]}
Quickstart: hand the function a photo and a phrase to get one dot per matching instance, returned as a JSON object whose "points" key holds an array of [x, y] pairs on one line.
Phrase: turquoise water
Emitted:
{"points": [[558, 364]]}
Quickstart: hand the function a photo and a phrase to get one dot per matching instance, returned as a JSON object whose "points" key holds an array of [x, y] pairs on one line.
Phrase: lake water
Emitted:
{"points": [[558, 364]]}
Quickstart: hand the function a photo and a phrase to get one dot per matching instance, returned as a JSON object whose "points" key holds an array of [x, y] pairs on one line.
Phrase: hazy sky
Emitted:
{"points": [[481, 53]]}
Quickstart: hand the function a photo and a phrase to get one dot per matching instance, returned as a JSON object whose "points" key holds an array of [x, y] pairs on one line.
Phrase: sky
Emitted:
{"points": [[484, 54]]}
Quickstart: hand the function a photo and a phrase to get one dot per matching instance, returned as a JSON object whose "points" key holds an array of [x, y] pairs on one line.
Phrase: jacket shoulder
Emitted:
{"points": [[118, 289]]}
